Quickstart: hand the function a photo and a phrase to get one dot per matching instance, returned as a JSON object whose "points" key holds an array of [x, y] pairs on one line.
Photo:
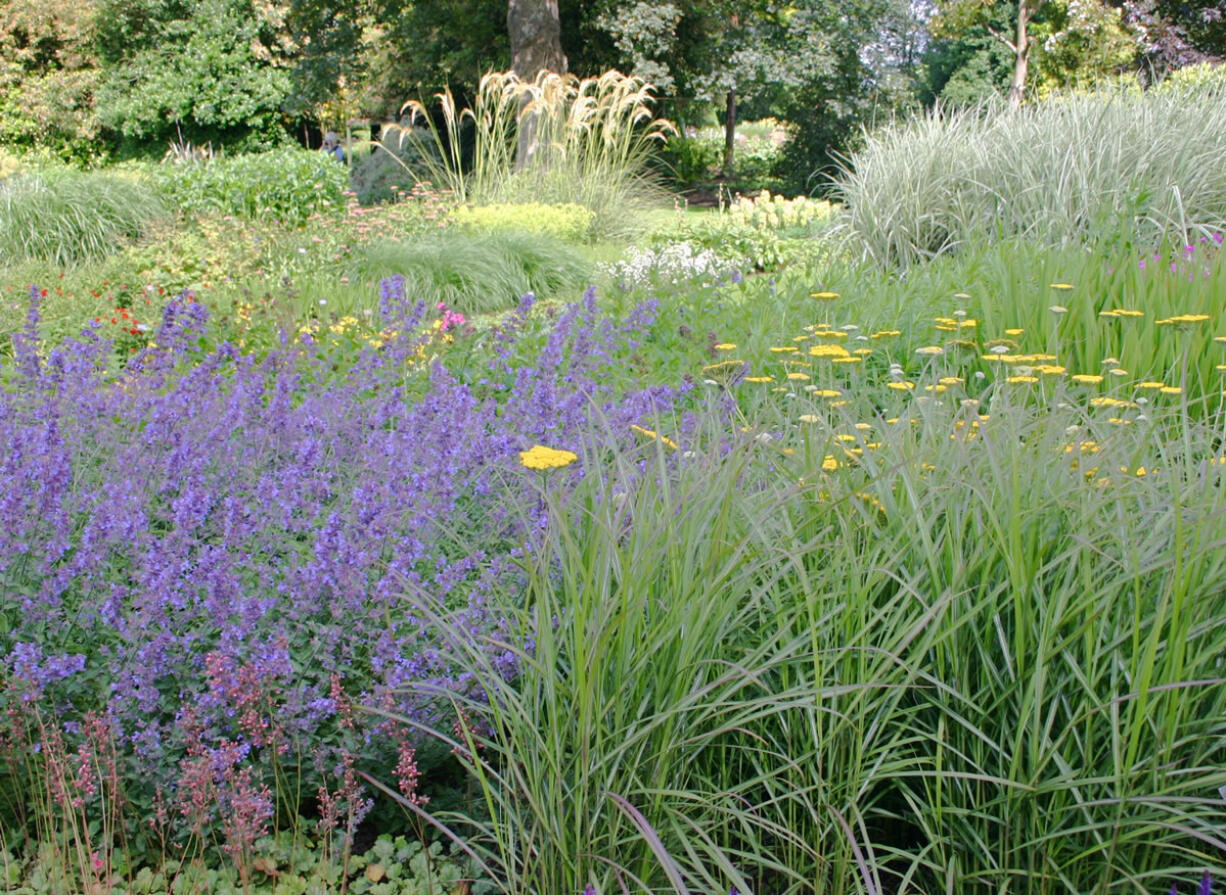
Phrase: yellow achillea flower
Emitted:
{"points": [[1151, 385], [725, 372], [1170, 390], [1087, 378], [1014, 332], [541, 457], [829, 463], [759, 378], [849, 359], [785, 349], [651, 435], [725, 346], [810, 418], [1050, 369], [950, 380], [828, 351], [798, 376], [1183, 318], [906, 386], [828, 393], [825, 296], [886, 333], [930, 350], [1063, 287], [1022, 380], [1110, 402]]}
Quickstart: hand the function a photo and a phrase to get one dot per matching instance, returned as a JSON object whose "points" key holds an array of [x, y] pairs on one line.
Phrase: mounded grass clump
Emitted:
{"points": [[1097, 168], [67, 217], [477, 273]]}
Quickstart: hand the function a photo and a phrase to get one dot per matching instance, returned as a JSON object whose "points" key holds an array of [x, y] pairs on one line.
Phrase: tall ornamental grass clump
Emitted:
{"points": [[849, 629], [1080, 168], [590, 140], [67, 217]]}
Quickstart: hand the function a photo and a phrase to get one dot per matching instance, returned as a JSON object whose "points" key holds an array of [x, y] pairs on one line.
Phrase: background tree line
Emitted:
{"points": [[87, 79]]}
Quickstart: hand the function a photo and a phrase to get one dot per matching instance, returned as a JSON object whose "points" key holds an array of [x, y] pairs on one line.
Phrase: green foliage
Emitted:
{"points": [[66, 217], [476, 273], [688, 161], [285, 184], [48, 75], [210, 70], [387, 172], [1081, 168], [285, 864], [1204, 76], [568, 223]]}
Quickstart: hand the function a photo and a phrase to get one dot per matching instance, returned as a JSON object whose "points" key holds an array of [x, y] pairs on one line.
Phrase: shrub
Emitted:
{"points": [[387, 172], [67, 216], [476, 273], [569, 223], [1075, 169], [286, 184]]}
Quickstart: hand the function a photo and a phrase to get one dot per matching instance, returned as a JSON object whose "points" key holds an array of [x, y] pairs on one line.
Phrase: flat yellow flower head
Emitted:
{"points": [[541, 457], [1063, 287], [828, 351], [824, 296]]}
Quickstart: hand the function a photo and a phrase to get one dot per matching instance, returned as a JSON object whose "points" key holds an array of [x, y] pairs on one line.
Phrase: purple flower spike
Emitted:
{"points": [[589, 889], [1206, 885]]}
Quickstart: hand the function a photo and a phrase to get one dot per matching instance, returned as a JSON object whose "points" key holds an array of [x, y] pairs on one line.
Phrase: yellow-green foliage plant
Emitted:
{"points": [[567, 222], [588, 144]]}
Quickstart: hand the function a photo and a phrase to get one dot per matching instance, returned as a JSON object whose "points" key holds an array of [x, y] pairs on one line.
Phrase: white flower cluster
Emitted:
{"points": [[672, 265]]}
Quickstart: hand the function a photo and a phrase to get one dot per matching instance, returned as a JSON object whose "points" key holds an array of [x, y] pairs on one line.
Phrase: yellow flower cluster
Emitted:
{"points": [[541, 457]]}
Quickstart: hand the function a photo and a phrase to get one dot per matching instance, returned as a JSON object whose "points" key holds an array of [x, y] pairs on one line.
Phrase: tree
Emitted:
{"points": [[211, 69], [48, 76]]}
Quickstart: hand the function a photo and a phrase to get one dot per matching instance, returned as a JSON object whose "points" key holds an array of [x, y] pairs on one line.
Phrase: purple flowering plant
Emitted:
{"points": [[222, 554]]}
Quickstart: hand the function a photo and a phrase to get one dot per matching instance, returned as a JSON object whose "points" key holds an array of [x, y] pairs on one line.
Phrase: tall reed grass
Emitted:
{"points": [[961, 664], [589, 146], [67, 216], [1099, 168]]}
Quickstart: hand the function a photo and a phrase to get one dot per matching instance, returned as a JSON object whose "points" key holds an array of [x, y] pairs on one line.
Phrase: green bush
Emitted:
{"points": [[476, 273], [1077, 169], [286, 184], [386, 173], [567, 222], [688, 160], [67, 216]]}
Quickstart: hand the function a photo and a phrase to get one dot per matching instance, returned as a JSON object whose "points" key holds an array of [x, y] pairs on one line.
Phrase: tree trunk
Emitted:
{"points": [[730, 135], [1021, 45], [536, 46]]}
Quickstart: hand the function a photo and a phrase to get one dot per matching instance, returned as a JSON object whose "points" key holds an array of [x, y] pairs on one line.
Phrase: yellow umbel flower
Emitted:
{"points": [[541, 457]]}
